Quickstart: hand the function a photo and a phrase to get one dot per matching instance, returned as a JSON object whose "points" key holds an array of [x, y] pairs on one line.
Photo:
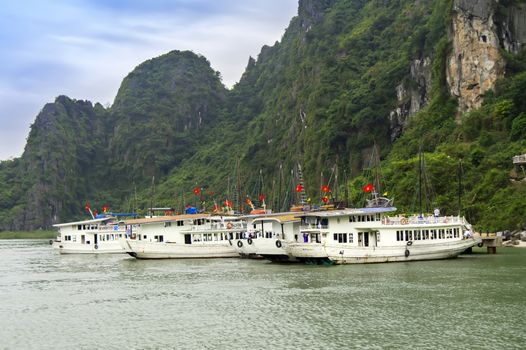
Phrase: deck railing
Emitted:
{"points": [[314, 227], [429, 220]]}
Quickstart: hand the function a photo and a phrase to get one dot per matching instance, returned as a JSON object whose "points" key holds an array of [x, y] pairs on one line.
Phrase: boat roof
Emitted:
{"points": [[347, 212], [92, 221], [288, 217], [166, 218]]}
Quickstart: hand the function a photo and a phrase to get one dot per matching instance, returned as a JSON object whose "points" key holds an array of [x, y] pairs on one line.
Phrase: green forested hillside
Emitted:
{"points": [[346, 75]]}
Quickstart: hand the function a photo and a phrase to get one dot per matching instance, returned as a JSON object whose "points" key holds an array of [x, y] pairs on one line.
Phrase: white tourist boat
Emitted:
{"points": [[370, 235], [183, 236], [272, 234], [96, 236]]}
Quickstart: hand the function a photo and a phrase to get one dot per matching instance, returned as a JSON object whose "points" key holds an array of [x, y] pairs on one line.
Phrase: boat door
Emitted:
{"points": [[366, 239], [96, 238], [187, 238]]}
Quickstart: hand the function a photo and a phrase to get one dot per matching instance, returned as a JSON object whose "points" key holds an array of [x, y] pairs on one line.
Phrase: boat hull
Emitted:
{"points": [[76, 248], [273, 249], [156, 250], [245, 249], [339, 254]]}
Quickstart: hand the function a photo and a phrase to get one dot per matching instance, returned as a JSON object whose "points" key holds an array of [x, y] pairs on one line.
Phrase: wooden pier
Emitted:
{"points": [[491, 241]]}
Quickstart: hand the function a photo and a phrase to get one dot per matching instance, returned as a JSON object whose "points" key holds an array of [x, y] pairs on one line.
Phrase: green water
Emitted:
{"points": [[48, 301]]}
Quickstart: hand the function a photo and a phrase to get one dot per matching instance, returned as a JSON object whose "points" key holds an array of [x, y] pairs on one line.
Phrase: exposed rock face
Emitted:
{"points": [[512, 27], [480, 28], [312, 11], [411, 97], [475, 63]]}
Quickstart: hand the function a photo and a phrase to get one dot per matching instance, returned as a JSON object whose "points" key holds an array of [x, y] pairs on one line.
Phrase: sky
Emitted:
{"points": [[84, 48]]}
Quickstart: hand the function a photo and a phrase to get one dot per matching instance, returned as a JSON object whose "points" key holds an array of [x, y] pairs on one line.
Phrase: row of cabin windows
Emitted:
{"points": [[344, 237], [206, 237], [316, 222], [364, 218], [87, 227], [107, 237], [418, 235], [197, 222]]}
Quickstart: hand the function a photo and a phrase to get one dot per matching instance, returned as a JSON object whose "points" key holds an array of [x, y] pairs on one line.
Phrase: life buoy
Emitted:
{"points": [[239, 244], [407, 253], [278, 243], [480, 245], [229, 225], [409, 243], [96, 246], [403, 221], [249, 241]]}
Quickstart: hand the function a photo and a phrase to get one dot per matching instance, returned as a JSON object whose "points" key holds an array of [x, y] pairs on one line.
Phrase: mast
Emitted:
{"points": [[459, 187], [279, 206], [303, 195], [336, 185], [238, 185], [420, 180], [346, 190], [152, 194]]}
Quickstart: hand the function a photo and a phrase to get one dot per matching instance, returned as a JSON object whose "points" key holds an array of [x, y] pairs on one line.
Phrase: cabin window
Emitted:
{"points": [[441, 234], [352, 218], [144, 237], [426, 234], [74, 238], [324, 223], [417, 235], [340, 237], [351, 236], [398, 235], [180, 223], [167, 224], [79, 227]]}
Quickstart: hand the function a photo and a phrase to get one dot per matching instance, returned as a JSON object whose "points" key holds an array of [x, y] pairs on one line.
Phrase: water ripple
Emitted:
{"points": [[112, 302]]}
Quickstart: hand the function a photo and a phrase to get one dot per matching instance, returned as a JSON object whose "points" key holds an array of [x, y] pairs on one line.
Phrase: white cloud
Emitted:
{"points": [[83, 49]]}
